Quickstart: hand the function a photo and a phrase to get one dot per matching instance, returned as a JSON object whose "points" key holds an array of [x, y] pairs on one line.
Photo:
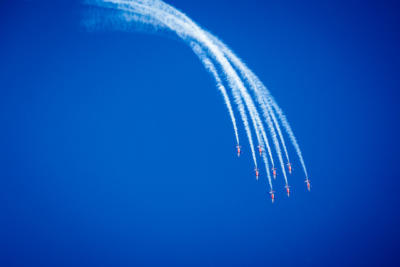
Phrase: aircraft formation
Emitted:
{"points": [[289, 167], [257, 109]]}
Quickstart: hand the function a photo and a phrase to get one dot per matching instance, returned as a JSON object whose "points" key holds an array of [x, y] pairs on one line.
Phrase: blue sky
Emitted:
{"points": [[117, 150]]}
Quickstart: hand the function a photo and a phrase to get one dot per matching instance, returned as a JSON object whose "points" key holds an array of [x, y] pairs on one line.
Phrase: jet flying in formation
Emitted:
{"points": [[274, 172], [272, 196], [260, 150], [289, 165], [238, 148], [307, 181], [287, 190]]}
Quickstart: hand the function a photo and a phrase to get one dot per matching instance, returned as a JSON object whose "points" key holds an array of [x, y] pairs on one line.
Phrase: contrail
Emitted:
{"points": [[187, 33], [267, 111], [199, 35], [185, 19], [268, 171], [259, 129], [211, 68], [268, 97], [288, 129], [257, 86], [211, 51], [229, 54]]}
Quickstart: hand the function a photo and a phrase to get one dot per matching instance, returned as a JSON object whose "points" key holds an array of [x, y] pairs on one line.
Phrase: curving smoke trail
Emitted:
{"points": [[269, 99], [208, 48], [211, 68], [258, 86], [238, 63], [148, 11], [252, 110], [288, 129], [265, 107]]}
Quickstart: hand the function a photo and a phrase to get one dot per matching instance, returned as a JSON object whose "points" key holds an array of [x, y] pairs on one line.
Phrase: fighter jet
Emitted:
{"points": [[289, 167], [287, 190], [260, 150], [272, 196], [238, 150], [257, 173], [308, 184], [274, 172]]}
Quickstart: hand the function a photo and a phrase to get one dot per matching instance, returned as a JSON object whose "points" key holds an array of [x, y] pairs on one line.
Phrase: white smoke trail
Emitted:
{"points": [[167, 8], [278, 129], [229, 54], [186, 33], [267, 145], [161, 15], [211, 68], [266, 109], [268, 97], [268, 171], [170, 10], [288, 129], [258, 86], [260, 128]]}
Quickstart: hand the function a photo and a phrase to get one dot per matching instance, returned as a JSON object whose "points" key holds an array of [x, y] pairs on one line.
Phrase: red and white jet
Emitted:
{"points": [[287, 190], [274, 172], [260, 150], [308, 184], [272, 196], [238, 150], [289, 165], [257, 173]]}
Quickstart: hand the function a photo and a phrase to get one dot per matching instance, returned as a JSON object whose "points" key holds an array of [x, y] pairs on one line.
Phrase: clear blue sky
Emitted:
{"points": [[117, 150]]}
